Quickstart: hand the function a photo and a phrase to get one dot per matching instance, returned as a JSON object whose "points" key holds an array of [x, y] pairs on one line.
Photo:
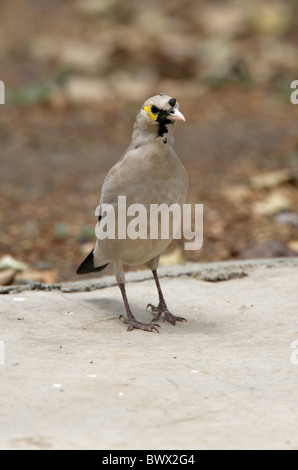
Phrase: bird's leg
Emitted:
{"points": [[162, 306], [130, 319]]}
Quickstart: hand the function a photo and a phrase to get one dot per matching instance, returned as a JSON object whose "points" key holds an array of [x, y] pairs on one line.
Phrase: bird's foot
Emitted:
{"points": [[135, 324], [163, 309]]}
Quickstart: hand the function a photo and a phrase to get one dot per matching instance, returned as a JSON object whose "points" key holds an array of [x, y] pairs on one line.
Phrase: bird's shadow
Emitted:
{"points": [[195, 325]]}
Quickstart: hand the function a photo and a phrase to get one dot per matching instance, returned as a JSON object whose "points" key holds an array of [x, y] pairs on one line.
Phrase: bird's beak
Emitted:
{"points": [[177, 116]]}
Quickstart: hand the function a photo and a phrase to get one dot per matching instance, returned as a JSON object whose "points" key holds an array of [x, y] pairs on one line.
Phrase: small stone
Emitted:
{"points": [[6, 277], [293, 245]]}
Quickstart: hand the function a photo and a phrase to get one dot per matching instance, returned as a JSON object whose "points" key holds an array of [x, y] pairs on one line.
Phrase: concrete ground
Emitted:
{"points": [[72, 377]]}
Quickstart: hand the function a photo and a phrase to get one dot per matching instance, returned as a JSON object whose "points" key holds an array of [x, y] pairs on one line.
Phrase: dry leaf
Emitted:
{"points": [[274, 203], [175, 257], [269, 180], [8, 262], [48, 276], [237, 194]]}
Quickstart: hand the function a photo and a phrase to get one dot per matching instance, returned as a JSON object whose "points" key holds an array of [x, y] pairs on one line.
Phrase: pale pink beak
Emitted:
{"points": [[176, 116]]}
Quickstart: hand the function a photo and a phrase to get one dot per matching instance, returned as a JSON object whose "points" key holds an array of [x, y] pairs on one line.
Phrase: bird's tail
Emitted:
{"points": [[91, 264]]}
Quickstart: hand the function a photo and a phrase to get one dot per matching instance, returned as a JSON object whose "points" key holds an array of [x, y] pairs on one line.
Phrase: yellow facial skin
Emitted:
{"points": [[150, 114]]}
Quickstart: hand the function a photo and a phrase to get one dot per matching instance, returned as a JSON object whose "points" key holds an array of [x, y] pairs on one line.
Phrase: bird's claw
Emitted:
{"points": [[153, 308], [162, 309], [173, 318], [135, 324]]}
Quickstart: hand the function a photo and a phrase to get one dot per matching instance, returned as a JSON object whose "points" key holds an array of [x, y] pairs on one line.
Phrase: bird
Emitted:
{"points": [[149, 172]]}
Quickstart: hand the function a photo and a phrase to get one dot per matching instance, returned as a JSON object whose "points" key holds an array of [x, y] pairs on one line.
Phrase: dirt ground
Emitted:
{"points": [[239, 143]]}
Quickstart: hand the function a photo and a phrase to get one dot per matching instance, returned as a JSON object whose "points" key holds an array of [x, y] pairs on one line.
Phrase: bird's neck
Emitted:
{"points": [[145, 133]]}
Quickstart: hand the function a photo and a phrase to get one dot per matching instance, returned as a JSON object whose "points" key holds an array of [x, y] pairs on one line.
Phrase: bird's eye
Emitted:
{"points": [[154, 109]]}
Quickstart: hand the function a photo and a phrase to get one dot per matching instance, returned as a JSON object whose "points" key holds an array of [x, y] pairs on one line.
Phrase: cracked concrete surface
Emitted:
{"points": [[72, 377]]}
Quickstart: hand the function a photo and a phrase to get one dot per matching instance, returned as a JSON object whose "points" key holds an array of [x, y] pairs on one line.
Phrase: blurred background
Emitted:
{"points": [[76, 74]]}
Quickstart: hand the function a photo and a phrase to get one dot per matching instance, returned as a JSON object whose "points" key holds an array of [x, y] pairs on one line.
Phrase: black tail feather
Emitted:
{"points": [[87, 265]]}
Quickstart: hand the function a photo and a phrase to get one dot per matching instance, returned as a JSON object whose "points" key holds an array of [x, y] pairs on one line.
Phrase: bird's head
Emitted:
{"points": [[158, 115]]}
